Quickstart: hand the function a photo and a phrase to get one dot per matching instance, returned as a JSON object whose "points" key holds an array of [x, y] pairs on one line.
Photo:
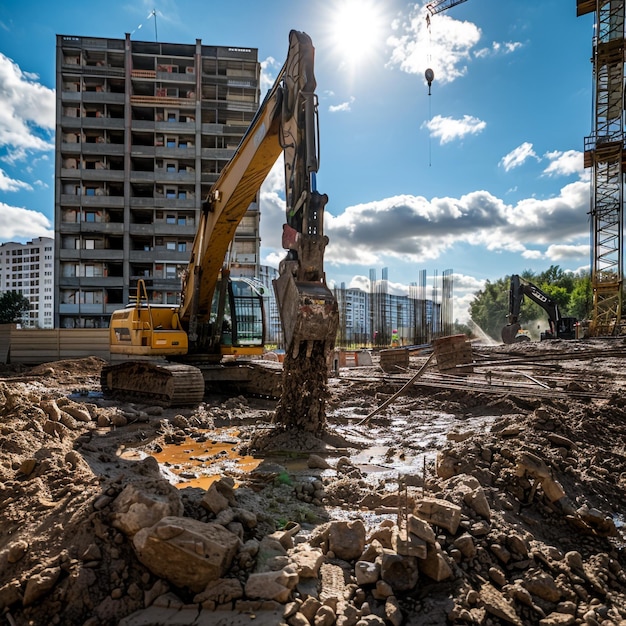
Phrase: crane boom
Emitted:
{"points": [[437, 6]]}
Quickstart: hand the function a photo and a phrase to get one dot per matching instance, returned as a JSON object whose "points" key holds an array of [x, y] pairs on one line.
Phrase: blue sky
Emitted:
{"points": [[484, 176]]}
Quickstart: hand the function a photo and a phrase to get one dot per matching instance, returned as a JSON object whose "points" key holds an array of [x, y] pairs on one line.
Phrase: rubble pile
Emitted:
{"points": [[518, 523]]}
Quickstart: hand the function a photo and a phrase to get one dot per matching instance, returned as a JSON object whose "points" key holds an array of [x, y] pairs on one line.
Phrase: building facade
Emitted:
{"points": [[143, 130], [28, 269]]}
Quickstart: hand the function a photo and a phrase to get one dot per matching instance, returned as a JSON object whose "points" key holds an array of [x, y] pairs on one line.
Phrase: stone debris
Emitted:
{"points": [[518, 523]]}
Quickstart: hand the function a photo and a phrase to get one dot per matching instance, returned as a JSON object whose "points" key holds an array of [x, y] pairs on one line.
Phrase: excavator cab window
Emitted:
{"points": [[245, 309]]}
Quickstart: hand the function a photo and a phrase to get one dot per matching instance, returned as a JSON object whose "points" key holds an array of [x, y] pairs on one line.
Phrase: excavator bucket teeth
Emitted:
{"points": [[308, 311]]}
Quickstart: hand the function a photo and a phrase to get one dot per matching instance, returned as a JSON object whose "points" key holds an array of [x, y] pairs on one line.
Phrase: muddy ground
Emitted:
{"points": [[496, 496]]}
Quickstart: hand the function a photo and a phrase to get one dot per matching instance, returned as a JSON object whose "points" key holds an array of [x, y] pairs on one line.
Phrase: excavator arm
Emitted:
{"points": [[285, 123]]}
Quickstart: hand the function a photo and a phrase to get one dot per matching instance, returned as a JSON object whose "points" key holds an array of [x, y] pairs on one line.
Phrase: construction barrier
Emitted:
{"points": [[34, 346]]}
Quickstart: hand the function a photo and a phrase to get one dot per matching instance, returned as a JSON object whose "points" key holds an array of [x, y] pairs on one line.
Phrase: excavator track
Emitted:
{"points": [[251, 378], [168, 384]]}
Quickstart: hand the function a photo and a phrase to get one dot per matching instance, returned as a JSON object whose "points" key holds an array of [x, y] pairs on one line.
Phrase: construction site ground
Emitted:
{"points": [[490, 496]]}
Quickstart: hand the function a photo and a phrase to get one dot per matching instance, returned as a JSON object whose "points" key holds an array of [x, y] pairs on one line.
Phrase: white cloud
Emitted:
{"points": [[559, 252], [269, 70], [497, 48], [414, 229], [272, 208], [20, 224], [565, 163], [447, 129], [518, 156], [446, 48], [27, 114], [11, 184], [344, 106]]}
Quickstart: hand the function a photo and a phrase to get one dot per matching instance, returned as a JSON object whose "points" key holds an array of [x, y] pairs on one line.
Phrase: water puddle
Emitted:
{"points": [[201, 460]]}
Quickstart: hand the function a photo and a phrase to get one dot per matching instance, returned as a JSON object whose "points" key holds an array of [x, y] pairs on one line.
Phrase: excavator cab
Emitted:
{"points": [[242, 325]]}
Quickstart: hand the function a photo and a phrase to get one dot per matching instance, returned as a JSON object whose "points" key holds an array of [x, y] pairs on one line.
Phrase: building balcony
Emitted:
{"points": [[99, 122], [99, 149], [161, 228], [141, 177], [70, 96], [182, 128], [159, 255], [91, 282], [142, 151], [81, 309], [164, 101], [208, 178], [107, 228], [175, 203], [103, 201], [142, 125], [102, 254], [175, 153], [166, 284], [102, 97], [101, 175], [136, 202], [176, 77], [141, 256], [223, 154], [70, 200], [162, 176], [70, 148]]}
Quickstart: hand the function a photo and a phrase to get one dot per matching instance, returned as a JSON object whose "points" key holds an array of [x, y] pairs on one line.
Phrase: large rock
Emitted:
{"points": [[439, 513], [435, 565], [185, 551], [399, 571], [272, 585], [347, 539], [141, 506], [40, 584]]}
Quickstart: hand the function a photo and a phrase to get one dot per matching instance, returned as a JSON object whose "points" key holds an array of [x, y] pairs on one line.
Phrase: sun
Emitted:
{"points": [[356, 30]]}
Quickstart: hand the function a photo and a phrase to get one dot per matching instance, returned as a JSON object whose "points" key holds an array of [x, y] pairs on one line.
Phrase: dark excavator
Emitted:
{"points": [[560, 327]]}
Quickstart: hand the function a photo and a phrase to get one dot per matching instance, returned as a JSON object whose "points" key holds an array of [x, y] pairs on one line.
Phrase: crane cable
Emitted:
{"points": [[430, 76]]}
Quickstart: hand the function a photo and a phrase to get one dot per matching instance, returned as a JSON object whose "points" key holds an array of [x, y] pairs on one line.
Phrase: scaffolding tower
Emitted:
{"points": [[604, 153]]}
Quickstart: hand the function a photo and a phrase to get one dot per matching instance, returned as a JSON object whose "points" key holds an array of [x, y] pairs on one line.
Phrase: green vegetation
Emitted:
{"points": [[12, 306], [571, 291]]}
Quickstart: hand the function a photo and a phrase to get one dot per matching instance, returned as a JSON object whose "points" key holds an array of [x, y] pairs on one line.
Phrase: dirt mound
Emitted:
{"points": [[463, 502]]}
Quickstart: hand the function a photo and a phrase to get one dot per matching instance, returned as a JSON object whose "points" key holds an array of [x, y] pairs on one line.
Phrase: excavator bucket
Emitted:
{"points": [[509, 332], [308, 311]]}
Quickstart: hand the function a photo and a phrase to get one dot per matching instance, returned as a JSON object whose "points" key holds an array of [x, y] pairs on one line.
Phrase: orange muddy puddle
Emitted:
{"points": [[200, 463]]}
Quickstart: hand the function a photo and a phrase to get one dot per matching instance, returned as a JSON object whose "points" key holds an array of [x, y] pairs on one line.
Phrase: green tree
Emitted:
{"points": [[12, 306], [581, 297]]}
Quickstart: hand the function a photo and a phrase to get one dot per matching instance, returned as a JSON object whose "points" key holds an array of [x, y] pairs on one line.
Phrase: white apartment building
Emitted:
{"points": [[28, 269]]}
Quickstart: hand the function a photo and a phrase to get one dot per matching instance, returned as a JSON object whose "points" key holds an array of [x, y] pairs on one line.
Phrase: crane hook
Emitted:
{"points": [[430, 76]]}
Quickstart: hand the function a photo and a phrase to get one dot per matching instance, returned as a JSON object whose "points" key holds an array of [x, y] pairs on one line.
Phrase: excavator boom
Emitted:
{"points": [[220, 315]]}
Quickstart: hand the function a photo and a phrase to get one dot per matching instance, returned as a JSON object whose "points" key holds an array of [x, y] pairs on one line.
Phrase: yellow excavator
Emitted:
{"points": [[171, 351]]}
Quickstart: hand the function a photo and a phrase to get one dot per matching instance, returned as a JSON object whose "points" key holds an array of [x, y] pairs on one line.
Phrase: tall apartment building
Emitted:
{"points": [[143, 130], [28, 269]]}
